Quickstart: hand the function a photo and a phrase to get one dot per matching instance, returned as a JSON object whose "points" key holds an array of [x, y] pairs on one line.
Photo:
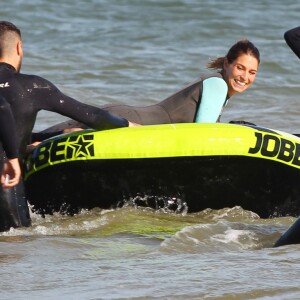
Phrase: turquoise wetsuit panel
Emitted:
{"points": [[212, 101]]}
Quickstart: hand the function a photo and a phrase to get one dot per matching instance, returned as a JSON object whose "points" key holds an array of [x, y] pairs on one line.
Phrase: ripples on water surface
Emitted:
{"points": [[139, 52], [141, 254]]}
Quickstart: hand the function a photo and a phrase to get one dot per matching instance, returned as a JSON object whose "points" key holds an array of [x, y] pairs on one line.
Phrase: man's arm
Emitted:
{"points": [[8, 130], [11, 172], [49, 97]]}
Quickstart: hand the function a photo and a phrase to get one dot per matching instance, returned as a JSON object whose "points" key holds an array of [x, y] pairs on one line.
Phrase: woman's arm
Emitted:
{"points": [[213, 99], [52, 99]]}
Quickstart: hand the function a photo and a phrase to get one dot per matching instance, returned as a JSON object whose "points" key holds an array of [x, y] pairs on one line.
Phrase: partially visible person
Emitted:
{"points": [[201, 101], [292, 235], [10, 166], [27, 95], [13, 210], [292, 38]]}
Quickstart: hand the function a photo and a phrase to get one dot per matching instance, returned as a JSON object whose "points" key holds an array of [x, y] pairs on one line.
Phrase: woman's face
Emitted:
{"points": [[240, 74]]}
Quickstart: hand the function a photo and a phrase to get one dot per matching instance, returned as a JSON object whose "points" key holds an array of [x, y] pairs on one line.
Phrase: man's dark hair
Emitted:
{"points": [[8, 33], [8, 26]]}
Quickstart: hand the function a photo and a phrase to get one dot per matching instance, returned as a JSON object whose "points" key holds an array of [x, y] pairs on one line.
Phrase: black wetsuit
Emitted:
{"points": [[8, 137], [13, 210], [27, 95], [292, 38], [181, 107]]}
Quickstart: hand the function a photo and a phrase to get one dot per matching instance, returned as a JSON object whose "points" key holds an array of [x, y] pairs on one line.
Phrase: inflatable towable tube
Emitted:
{"points": [[193, 165]]}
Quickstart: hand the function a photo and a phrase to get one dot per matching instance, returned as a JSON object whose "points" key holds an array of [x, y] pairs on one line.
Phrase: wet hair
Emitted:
{"points": [[241, 47], [8, 31]]}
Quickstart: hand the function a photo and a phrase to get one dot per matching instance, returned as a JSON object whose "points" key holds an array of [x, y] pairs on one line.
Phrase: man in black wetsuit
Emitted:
{"points": [[27, 95]]}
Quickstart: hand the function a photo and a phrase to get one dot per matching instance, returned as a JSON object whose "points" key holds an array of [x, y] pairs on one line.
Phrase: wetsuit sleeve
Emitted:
{"points": [[8, 130], [52, 99], [292, 38], [213, 99], [41, 136]]}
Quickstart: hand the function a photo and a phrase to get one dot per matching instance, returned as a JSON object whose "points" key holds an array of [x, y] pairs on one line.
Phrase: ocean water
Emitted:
{"points": [[138, 53]]}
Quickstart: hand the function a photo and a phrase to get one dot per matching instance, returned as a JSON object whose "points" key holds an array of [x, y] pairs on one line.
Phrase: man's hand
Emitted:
{"points": [[11, 173]]}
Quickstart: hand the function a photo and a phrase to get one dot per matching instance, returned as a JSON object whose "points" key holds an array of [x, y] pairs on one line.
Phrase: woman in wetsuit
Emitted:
{"points": [[201, 101], [292, 38]]}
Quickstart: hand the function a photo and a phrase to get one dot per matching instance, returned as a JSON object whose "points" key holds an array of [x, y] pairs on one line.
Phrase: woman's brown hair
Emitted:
{"points": [[241, 47]]}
